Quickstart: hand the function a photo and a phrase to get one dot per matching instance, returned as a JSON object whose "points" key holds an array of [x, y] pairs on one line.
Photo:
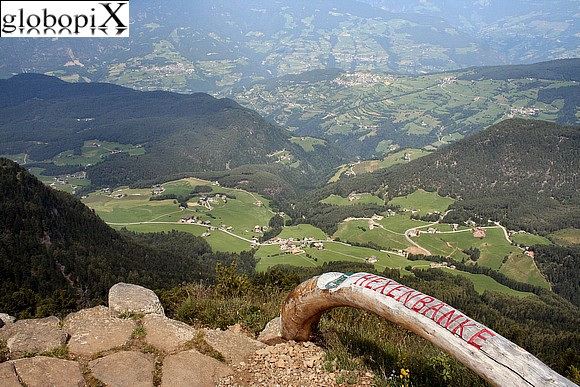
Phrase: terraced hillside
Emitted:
{"points": [[372, 114]]}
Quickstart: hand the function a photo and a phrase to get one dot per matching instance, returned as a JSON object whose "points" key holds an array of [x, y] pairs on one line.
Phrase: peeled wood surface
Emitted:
{"points": [[487, 353]]}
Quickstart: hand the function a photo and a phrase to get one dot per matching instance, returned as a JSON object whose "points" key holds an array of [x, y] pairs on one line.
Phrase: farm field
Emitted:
{"points": [[229, 224], [131, 208], [400, 157], [482, 283], [92, 152], [530, 239], [423, 201], [333, 251], [358, 231], [218, 240], [301, 231], [567, 237], [437, 108]]}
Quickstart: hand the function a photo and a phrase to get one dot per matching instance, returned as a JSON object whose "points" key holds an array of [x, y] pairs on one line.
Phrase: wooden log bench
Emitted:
{"points": [[490, 355]]}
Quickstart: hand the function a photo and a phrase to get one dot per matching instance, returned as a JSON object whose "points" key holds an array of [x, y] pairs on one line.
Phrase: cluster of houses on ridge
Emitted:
{"points": [[294, 245]]}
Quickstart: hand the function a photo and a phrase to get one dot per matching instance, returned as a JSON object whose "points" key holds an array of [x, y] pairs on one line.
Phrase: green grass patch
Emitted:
{"points": [[364, 198], [482, 283], [134, 210], [307, 143], [359, 231], [494, 247], [218, 240], [400, 223], [94, 151], [522, 268], [302, 231], [333, 251], [530, 239], [566, 237], [423, 201]]}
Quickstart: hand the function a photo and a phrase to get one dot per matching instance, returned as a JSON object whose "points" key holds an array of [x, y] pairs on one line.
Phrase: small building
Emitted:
{"points": [[371, 259], [478, 232], [530, 254]]}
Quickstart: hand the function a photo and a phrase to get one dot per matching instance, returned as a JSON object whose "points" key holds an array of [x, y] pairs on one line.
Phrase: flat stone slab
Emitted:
{"points": [[235, 346], [126, 368], [33, 336], [192, 369], [129, 298], [8, 377], [49, 371], [166, 334], [93, 330]]}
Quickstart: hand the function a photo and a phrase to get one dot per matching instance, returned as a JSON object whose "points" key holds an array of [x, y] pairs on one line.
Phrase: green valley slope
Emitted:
{"points": [[55, 251], [522, 173], [42, 117], [371, 114]]}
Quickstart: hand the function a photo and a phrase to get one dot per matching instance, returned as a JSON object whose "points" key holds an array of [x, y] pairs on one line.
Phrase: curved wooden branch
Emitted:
{"points": [[487, 353]]}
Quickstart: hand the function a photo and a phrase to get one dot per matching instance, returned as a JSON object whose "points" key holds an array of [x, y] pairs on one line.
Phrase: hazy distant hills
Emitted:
{"points": [[43, 116], [371, 114], [215, 45], [523, 173], [523, 30]]}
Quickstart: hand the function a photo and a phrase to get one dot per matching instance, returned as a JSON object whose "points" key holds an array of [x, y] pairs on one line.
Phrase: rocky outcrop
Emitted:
{"points": [[125, 368], [166, 334], [191, 368], [33, 336], [132, 343], [48, 371], [133, 299], [94, 330]]}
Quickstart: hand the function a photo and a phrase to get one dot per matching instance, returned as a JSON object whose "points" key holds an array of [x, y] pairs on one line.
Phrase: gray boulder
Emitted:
{"points": [[128, 298], [236, 347], [33, 336], [7, 319]]}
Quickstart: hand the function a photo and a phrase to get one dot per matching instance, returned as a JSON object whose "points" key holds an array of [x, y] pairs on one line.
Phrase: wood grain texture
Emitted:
{"points": [[490, 355]]}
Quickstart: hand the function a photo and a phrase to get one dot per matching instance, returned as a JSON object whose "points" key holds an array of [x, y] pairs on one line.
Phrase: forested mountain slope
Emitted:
{"points": [[523, 173], [55, 252], [43, 116]]}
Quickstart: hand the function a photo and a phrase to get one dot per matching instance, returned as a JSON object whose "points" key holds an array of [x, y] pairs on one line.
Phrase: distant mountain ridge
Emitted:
{"points": [[219, 44], [43, 116]]}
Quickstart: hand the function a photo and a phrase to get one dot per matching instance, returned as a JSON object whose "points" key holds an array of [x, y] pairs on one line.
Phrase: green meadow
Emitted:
{"points": [[566, 237], [389, 160], [135, 211], [482, 283], [333, 251], [93, 152], [307, 143], [301, 231], [359, 231], [240, 213], [423, 201], [494, 247], [530, 239], [365, 198]]}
